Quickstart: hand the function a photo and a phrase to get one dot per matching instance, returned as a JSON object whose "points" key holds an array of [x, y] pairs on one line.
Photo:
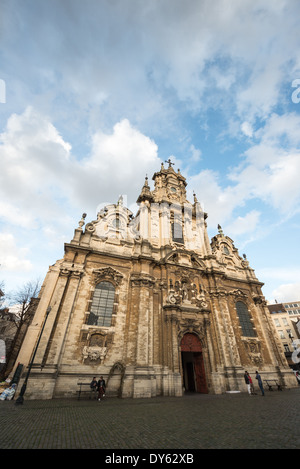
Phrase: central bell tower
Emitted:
{"points": [[167, 218], [169, 185]]}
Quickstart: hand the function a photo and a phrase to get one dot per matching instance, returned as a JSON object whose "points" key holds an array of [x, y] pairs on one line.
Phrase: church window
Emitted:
{"points": [[116, 223], [177, 235], [226, 250], [245, 320], [102, 305]]}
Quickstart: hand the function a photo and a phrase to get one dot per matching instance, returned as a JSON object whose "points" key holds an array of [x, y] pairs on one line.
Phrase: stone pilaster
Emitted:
{"points": [[64, 319]]}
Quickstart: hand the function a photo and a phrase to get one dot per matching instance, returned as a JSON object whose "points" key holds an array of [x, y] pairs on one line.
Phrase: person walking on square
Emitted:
{"points": [[260, 384], [101, 388]]}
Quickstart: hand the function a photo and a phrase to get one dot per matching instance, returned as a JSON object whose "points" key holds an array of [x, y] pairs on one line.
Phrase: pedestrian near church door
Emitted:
{"points": [[192, 364]]}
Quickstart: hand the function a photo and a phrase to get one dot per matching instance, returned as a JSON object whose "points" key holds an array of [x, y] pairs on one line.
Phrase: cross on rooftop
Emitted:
{"points": [[170, 162]]}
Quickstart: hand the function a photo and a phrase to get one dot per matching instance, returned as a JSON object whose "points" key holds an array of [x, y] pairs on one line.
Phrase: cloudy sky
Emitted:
{"points": [[94, 95]]}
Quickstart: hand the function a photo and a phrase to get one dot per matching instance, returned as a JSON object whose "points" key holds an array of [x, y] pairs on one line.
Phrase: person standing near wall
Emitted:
{"points": [[247, 381], [260, 384], [101, 386]]}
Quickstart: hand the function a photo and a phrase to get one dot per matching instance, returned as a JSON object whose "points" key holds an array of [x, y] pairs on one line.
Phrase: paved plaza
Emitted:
{"points": [[195, 421]]}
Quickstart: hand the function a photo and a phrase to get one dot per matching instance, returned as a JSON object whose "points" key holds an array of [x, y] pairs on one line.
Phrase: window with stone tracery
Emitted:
{"points": [[102, 305], [245, 320]]}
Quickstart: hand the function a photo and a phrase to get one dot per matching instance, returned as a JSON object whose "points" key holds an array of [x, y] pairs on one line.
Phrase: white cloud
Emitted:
{"points": [[281, 129], [281, 282], [271, 167], [287, 293], [35, 161], [246, 224], [137, 57], [211, 196], [268, 173], [12, 257], [117, 164], [12, 214], [260, 97], [40, 177], [286, 274], [247, 129], [196, 154], [125, 145]]}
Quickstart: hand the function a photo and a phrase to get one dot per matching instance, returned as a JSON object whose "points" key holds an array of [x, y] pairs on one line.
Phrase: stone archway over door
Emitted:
{"points": [[192, 364]]}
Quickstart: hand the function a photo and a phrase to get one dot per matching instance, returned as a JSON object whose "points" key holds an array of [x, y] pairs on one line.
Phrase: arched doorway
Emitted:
{"points": [[194, 379], [116, 375]]}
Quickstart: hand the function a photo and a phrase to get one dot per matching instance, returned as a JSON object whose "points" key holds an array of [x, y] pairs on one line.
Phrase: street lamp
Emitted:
{"points": [[20, 399]]}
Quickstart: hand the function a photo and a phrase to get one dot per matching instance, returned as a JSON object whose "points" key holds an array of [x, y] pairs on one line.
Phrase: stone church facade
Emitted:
{"points": [[150, 303]]}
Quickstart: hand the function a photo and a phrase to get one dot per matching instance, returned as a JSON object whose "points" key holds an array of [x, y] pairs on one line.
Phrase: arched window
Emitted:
{"points": [[245, 320], [102, 305], [226, 250]]}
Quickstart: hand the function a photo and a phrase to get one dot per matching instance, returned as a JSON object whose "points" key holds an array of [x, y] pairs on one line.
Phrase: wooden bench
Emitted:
{"points": [[273, 382], [85, 388]]}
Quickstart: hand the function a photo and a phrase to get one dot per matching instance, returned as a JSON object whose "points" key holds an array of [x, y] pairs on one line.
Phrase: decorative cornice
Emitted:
{"points": [[140, 280], [71, 271]]}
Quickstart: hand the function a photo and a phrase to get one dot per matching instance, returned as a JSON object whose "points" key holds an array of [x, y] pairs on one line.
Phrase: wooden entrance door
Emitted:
{"points": [[194, 367], [200, 373]]}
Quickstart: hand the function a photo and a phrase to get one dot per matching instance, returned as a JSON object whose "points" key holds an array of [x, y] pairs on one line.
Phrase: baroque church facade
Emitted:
{"points": [[150, 303]]}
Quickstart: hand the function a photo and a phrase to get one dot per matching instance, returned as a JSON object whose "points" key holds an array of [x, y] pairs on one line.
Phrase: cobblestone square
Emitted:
{"points": [[195, 421]]}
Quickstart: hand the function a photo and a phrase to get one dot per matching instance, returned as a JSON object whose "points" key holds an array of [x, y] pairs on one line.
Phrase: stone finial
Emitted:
{"points": [[82, 222], [145, 193]]}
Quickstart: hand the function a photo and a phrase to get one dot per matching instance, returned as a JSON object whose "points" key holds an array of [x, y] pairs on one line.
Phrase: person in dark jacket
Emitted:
{"points": [[247, 381], [93, 384], [260, 384], [101, 388]]}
